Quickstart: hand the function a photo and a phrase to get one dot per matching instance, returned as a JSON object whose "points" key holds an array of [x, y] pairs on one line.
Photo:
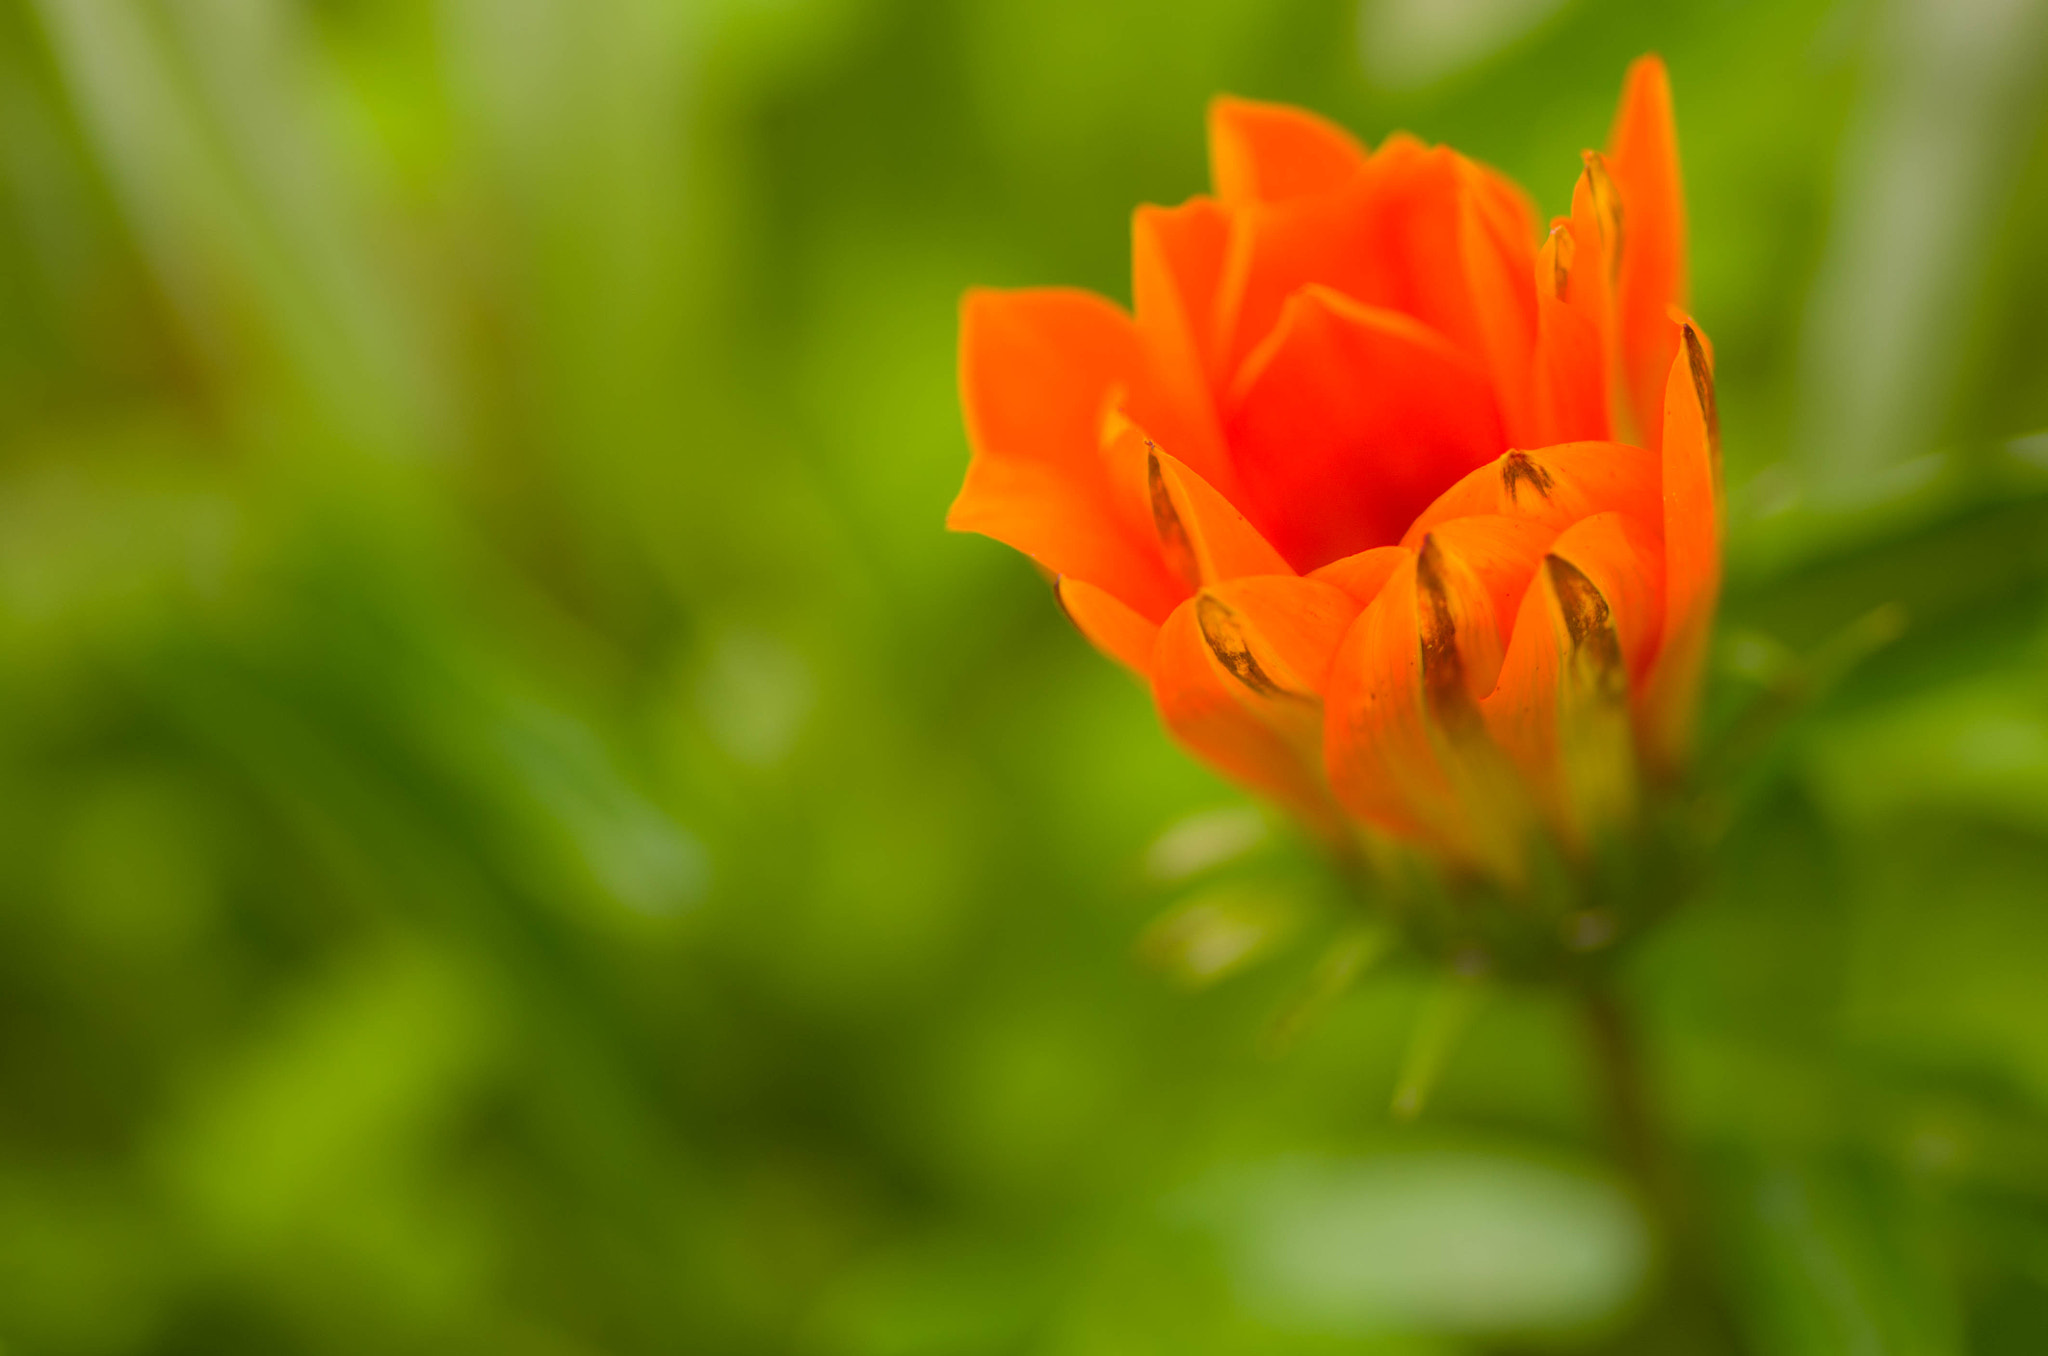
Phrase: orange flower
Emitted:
{"points": [[1409, 517]]}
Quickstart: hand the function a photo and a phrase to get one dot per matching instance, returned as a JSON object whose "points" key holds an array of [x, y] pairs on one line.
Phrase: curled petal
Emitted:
{"points": [[1692, 549], [1198, 703], [1110, 626], [1643, 157], [1346, 420], [1382, 764], [1494, 554], [1201, 532], [1289, 627], [1365, 574], [1039, 372], [1460, 635], [1270, 152], [1623, 557], [1405, 743], [1237, 671], [1068, 526], [1555, 486]]}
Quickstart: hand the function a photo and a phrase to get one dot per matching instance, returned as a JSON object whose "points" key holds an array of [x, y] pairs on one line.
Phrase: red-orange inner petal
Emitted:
{"points": [[1349, 422]]}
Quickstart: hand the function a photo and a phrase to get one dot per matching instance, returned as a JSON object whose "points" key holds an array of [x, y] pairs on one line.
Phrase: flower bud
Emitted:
{"points": [[1407, 512]]}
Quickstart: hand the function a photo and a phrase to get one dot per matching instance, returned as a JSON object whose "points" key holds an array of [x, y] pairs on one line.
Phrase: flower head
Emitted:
{"points": [[1407, 511]]}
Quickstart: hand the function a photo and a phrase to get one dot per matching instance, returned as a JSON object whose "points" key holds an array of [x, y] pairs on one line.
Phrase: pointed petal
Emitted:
{"points": [[1570, 395], [1555, 486], [1643, 158], [1201, 532], [1365, 574], [1110, 626], [1234, 699], [1346, 421], [1404, 742], [1261, 152], [1692, 549]]}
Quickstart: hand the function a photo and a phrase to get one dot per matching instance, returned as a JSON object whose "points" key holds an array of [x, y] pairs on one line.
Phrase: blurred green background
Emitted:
{"points": [[520, 833]]}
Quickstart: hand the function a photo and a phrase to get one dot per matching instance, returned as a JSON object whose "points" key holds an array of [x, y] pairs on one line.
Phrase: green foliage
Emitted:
{"points": [[519, 832]]}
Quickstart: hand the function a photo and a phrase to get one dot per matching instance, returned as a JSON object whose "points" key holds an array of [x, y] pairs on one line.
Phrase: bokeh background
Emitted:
{"points": [[520, 833]]}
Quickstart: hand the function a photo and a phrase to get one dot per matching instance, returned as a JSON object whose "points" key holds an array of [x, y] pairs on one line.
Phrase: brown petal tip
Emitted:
{"points": [[1224, 631], [1173, 533], [1606, 204], [1518, 469], [1564, 252], [1443, 665], [1589, 624], [1703, 388]]}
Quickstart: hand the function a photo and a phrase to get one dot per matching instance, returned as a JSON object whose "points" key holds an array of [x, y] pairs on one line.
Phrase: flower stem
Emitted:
{"points": [[1625, 1092], [1692, 1303]]}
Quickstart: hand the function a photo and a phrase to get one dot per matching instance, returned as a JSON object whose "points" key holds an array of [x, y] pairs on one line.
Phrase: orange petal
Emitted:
{"points": [[1555, 486], [1202, 534], [1040, 370], [1643, 158], [1126, 458], [1490, 558], [1177, 261], [1404, 742], [1262, 152], [1365, 574], [1382, 765], [1289, 627], [1570, 395], [1347, 420], [1623, 556], [1110, 626], [1561, 712], [1495, 229], [1227, 674], [1276, 249], [1422, 231], [1067, 526], [1692, 549], [1597, 235], [1454, 242]]}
